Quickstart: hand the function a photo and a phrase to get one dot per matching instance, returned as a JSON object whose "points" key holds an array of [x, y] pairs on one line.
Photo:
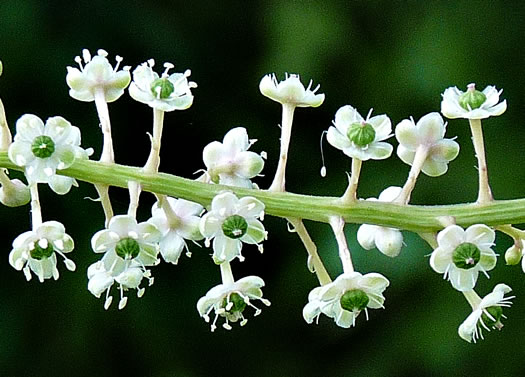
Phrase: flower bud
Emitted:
{"points": [[513, 255], [14, 194]]}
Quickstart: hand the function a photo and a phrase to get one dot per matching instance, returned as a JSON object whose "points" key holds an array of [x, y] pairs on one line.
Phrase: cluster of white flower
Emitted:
{"points": [[130, 248]]}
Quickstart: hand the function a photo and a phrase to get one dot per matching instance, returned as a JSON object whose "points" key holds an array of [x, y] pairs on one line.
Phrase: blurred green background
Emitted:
{"points": [[394, 56]]}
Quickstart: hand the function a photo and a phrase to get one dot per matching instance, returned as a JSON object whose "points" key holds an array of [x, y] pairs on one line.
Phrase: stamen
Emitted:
{"points": [[86, 55], [119, 60], [27, 273]]}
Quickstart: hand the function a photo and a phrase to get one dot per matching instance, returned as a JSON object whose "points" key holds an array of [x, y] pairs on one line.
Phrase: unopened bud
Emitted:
{"points": [[513, 255], [14, 194]]}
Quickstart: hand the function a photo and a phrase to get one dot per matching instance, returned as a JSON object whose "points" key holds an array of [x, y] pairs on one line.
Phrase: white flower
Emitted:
{"points": [[166, 93], [36, 250], [181, 224], [462, 254], [44, 149], [230, 162], [128, 276], [97, 76], [428, 133], [360, 138], [387, 240], [129, 247], [346, 297], [290, 91], [472, 104], [487, 314], [230, 300], [230, 222]]}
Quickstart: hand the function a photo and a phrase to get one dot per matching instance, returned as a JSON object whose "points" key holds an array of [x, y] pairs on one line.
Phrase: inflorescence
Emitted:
{"points": [[131, 249]]}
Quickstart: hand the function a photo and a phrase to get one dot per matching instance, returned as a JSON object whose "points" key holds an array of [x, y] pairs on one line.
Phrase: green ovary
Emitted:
{"points": [[354, 300], [361, 134], [234, 227], [466, 256], [39, 252], [162, 88], [43, 146], [127, 248]]}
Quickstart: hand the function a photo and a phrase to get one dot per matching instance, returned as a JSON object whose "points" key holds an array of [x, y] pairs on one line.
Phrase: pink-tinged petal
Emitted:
{"points": [[236, 140], [407, 135], [248, 164], [444, 150], [431, 128]]}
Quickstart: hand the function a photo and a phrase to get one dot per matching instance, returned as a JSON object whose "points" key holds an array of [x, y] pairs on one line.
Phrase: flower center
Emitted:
{"points": [[235, 303], [466, 256], [162, 88], [234, 226], [496, 312], [354, 300], [361, 134], [42, 249], [472, 98], [127, 248], [43, 146]]}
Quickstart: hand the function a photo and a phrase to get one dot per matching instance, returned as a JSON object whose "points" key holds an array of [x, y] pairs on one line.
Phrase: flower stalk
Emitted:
{"points": [[485, 193]]}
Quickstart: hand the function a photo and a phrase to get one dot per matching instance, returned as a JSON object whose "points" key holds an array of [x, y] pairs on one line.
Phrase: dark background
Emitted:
{"points": [[397, 57]]}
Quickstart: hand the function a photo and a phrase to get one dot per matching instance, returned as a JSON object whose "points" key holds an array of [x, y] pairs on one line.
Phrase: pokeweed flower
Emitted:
{"points": [[230, 222], [462, 254], [387, 240], [428, 134], [229, 300], [472, 104], [230, 162], [167, 92], [44, 149], [36, 251], [128, 276], [178, 223], [486, 314], [358, 137], [290, 91], [128, 248], [97, 76], [345, 298]]}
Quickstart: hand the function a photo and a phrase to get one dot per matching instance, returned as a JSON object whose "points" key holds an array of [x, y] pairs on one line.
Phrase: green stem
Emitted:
{"points": [[289, 205]]}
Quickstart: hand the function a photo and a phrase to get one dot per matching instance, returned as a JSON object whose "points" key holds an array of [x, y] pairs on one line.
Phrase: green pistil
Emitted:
{"points": [[466, 256], [361, 134], [234, 226], [127, 248], [43, 146], [162, 88], [496, 312], [472, 98], [354, 300], [238, 303], [39, 252]]}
